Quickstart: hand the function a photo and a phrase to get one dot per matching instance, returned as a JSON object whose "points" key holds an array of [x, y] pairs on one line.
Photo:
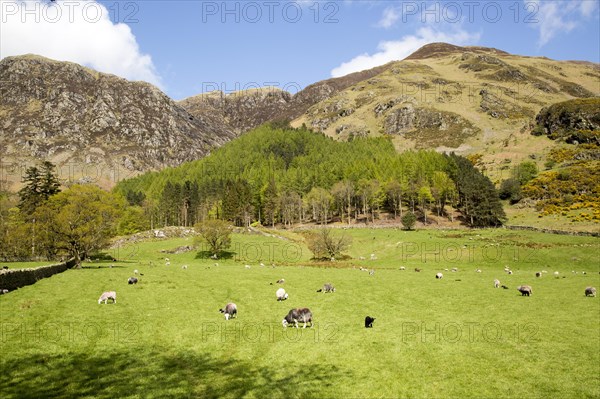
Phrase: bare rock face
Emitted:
{"points": [[64, 112]]}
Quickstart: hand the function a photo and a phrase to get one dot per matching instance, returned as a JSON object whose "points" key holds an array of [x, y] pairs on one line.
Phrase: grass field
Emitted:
{"points": [[457, 337]]}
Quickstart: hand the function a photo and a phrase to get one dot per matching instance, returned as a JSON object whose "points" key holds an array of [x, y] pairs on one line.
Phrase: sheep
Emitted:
{"points": [[230, 311], [167, 263], [362, 258], [247, 266], [184, 267], [371, 272], [402, 268], [106, 296], [373, 257], [556, 274], [136, 271], [280, 281], [504, 287], [3, 291], [417, 269], [496, 283], [590, 291], [132, 280], [439, 276], [454, 269], [328, 287], [538, 274], [525, 290], [281, 294], [510, 272], [478, 271], [369, 322], [303, 315]]}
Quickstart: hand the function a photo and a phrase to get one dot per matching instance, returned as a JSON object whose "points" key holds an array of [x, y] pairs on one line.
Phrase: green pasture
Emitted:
{"points": [[457, 337]]}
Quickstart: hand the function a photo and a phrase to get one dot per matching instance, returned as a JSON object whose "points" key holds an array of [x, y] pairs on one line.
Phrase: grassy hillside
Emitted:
{"points": [[468, 99], [432, 338]]}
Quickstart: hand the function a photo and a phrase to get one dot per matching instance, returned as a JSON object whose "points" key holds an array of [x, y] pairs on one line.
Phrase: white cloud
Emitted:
{"points": [[389, 17], [400, 49], [557, 17], [78, 31]]}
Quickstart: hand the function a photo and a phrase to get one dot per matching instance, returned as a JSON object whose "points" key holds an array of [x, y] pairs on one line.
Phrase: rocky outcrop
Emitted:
{"points": [[66, 113]]}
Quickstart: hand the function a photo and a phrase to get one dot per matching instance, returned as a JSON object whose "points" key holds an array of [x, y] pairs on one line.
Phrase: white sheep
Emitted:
{"points": [[184, 267], [402, 268], [439, 275], [496, 283], [281, 294], [106, 296]]}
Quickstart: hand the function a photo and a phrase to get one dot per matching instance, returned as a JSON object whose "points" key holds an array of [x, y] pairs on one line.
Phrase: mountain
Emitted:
{"points": [[471, 100], [93, 124], [244, 110], [451, 98]]}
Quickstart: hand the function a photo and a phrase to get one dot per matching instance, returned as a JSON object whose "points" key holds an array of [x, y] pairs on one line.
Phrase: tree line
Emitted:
{"points": [[280, 177]]}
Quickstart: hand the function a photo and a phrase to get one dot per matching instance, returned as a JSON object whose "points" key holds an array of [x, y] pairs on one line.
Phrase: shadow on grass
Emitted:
{"points": [[208, 255], [147, 373]]}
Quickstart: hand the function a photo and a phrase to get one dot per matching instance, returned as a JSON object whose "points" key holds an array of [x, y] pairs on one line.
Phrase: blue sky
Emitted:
{"points": [[188, 47]]}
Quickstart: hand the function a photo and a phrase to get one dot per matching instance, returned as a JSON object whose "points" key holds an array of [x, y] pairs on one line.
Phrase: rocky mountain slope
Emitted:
{"points": [[463, 99], [93, 125]]}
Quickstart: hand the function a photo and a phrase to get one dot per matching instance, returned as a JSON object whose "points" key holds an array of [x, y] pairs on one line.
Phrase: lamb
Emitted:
{"points": [[504, 287], [590, 291], [184, 267], [230, 311], [496, 283], [303, 315], [136, 271], [106, 296], [369, 322], [525, 290], [439, 275], [281, 294], [328, 287], [132, 280]]}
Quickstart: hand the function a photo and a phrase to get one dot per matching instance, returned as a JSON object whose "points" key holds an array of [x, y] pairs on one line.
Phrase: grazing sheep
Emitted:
{"points": [[510, 272], [280, 281], [106, 296], [439, 275], [362, 258], [303, 315], [3, 291], [247, 266], [373, 257], [402, 268], [167, 263], [417, 269], [454, 269], [496, 283], [328, 287], [184, 267], [281, 294], [478, 271], [262, 265], [369, 322], [504, 287], [132, 280], [371, 272], [230, 311], [583, 273], [525, 290], [556, 274], [136, 271], [538, 274], [590, 291]]}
